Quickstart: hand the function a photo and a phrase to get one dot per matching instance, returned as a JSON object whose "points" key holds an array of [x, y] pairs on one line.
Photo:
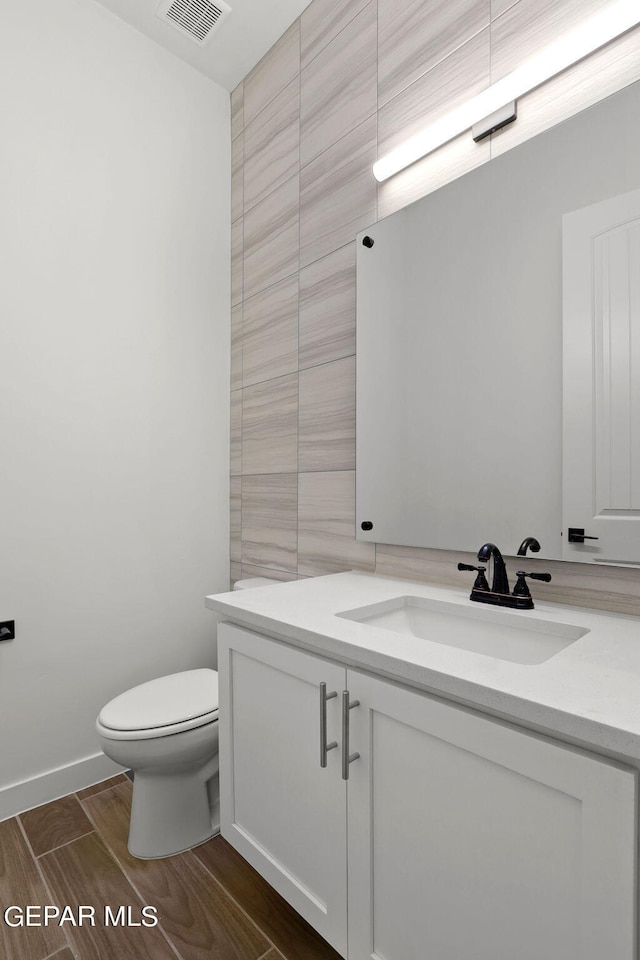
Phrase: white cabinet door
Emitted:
{"points": [[279, 808], [601, 357], [472, 840]]}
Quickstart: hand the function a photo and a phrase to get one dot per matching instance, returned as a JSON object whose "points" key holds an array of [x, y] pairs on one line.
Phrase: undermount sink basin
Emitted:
{"points": [[493, 632]]}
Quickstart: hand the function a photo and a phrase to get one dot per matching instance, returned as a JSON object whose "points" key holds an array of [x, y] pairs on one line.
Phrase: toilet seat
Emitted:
{"points": [[161, 707]]}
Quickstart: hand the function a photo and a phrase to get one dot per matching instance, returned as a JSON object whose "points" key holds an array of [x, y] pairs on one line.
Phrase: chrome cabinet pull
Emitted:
{"points": [[324, 746], [347, 758]]}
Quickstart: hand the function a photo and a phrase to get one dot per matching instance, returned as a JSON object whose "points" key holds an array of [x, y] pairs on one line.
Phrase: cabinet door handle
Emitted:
{"points": [[324, 746], [347, 758]]}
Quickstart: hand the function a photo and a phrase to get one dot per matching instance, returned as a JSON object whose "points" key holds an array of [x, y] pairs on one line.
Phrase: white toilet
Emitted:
{"points": [[166, 732]]}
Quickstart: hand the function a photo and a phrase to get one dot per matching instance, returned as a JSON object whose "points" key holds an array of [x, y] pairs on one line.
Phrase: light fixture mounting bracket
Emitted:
{"points": [[495, 121]]}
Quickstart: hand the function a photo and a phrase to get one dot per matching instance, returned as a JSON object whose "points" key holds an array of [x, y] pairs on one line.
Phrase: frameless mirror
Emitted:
{"points": [[460, 351]]}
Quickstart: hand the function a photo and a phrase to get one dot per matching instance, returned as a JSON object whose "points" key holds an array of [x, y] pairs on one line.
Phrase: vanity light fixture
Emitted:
{"points": [[499, 99]]}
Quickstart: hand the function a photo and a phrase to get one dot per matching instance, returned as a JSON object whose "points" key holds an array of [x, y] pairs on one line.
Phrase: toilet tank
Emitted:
{"points": [[253, 582]]}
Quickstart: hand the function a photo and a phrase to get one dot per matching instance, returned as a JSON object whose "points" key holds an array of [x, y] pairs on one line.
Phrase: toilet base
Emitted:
{"points": [[176, 799], [170, 815]]}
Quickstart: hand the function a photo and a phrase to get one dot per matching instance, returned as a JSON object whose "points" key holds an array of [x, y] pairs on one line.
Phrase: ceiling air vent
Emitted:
{"points": [[196, 19]]}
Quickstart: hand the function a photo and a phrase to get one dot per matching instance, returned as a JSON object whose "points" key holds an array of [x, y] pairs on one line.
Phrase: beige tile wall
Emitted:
{"points": [[347, 82]]}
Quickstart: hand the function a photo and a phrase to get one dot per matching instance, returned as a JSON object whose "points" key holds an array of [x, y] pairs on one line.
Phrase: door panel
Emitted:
{"points": [[468, 838], [279, 808], [601, 357]]}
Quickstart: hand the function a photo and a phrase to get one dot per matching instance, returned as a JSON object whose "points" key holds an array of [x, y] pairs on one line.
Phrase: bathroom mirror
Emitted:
{"points": [[460, 349]]}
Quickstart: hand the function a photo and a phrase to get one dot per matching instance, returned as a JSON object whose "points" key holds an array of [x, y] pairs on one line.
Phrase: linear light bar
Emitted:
{"points": [[594, 33]]}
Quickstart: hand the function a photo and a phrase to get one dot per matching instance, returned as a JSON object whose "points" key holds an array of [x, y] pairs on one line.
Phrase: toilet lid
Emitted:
{"points": [[179, 698]]}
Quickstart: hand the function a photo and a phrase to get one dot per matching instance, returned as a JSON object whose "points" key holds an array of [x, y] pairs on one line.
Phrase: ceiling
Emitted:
{"points": [[235, 46]]}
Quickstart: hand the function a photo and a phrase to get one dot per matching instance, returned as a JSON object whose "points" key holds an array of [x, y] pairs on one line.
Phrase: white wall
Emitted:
{"points": [[114, 356]]}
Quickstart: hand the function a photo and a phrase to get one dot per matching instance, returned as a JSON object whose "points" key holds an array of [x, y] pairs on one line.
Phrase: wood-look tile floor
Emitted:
{"points": [[211, 905]]}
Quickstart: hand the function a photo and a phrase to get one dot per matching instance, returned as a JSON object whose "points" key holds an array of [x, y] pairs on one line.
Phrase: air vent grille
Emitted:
{"points": [[195, 18]]}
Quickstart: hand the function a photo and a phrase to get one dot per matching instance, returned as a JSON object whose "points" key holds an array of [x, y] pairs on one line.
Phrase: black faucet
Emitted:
{"points": [[500, 583], [498, 593]]}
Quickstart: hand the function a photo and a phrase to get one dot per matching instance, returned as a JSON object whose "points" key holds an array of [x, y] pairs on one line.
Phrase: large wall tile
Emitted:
{"points": [[237, 110], [236, 347], [235, 506], [416, 563], [237, 177], [449, 84], [338, 87], [322, 21], [269, 426], [530, 25], [415, 35], [498, 7], [270, 332], [248, 570], [326, 525], [236, 432], [328, 308], [235, 573], [237, 231], [338, 193], [271, 231], [271, 145], [584, 585], [327, 417], [269, 521], [276, 69]]}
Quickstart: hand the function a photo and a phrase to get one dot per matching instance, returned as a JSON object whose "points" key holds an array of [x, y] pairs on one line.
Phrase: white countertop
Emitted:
{"points": [[587, 693]]}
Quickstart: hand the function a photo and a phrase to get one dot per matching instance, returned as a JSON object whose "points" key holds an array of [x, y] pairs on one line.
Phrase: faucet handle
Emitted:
{"points": [[480, 581], [521, 589]]}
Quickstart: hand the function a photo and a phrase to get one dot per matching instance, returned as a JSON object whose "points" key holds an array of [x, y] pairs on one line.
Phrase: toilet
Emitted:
{"points": [[166, 732]]}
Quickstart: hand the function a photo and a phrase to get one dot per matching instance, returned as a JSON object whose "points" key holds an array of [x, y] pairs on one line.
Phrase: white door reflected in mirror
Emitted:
{"points": [[601, 392]]}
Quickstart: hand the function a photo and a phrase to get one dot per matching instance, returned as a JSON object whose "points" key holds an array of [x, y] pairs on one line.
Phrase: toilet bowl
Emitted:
{"points": [[166, 732]]}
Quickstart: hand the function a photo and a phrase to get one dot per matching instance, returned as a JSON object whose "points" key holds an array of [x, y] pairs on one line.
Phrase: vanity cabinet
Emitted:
{"points": [[461, 836]]}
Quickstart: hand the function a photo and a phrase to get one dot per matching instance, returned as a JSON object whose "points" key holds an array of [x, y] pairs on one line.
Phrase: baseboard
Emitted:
{"points": [[18, 797]]}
